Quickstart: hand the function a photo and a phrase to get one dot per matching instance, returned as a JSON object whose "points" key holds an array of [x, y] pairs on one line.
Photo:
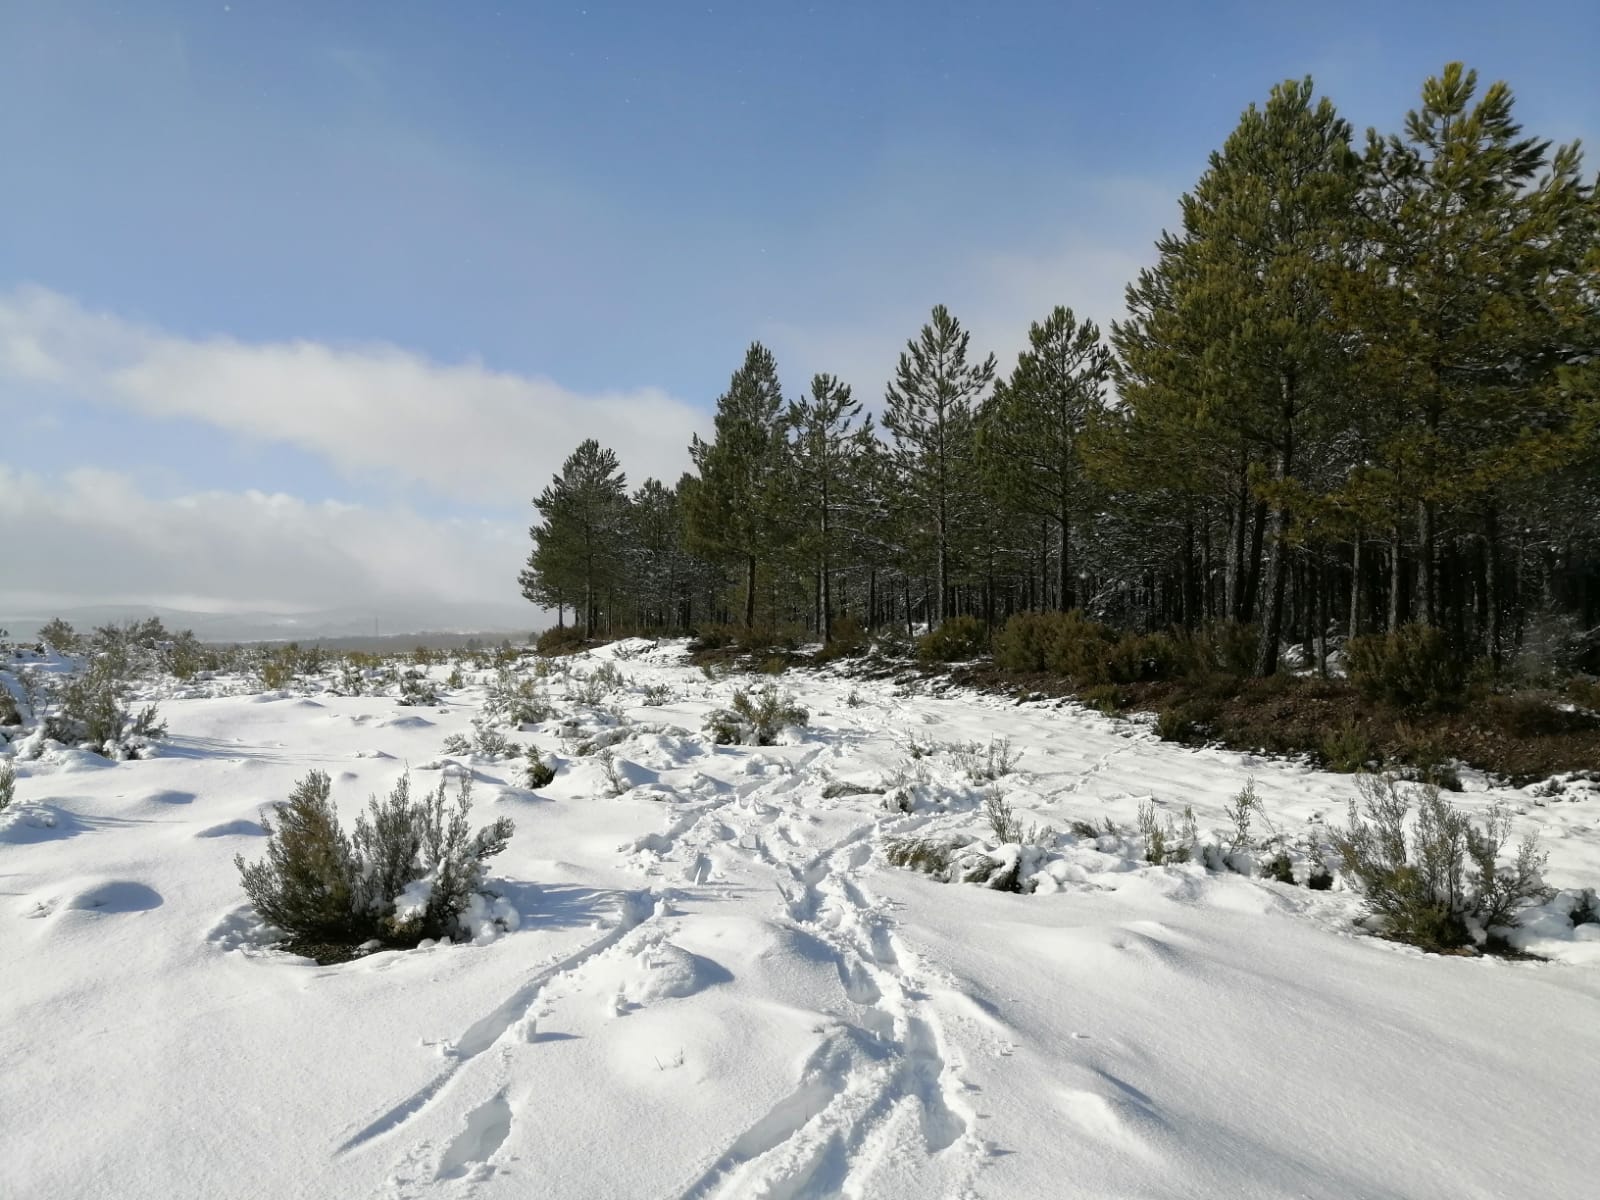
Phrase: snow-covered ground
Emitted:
{"points": [[719, 988]]}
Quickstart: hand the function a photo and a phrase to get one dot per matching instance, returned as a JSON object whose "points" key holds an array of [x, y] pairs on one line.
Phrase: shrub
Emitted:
{"points": [[755, 721], [487, 742], [1414, 667], [657, 694], [1174, 724], [408, 873], [8, 785], [1427, 883], [1241, 811], [1347, 748], [1168, 842], [455, 680], [416, 689], [515, 700], [562, 639], [1144, 658], [1003, 822], [985, 764], [1061, 643], [849, 640], [957, 640], [1279, 868], [92, 707], [1231, 646], [1585, 693], [927, 855], [1105, 697], [60, 636], [540, 774]]}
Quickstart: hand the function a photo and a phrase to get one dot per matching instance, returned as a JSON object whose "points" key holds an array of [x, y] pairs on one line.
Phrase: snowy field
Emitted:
{"points": [[718, 987]]}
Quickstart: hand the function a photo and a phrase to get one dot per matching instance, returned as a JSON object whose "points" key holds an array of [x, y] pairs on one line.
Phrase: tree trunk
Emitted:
{"points": [[1354, 627], [1272, 615], [1491, 580], [1397, 578], [750, 591], [1427, 570]]}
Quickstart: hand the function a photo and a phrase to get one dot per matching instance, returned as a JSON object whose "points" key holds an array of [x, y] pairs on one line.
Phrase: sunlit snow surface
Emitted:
{"points": [[714, 986]]}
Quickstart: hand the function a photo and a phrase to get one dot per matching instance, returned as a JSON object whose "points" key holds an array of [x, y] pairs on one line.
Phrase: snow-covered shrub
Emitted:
{"points": [[591, 690], [409, 872], [60, 636], [8, 785], [416, 689], [1433, 882], [657, 694], [455, 679], [616, 784], [352, 679], [515, 700], [488, 742], [931, 856], [1167, 842], [539, 773], [1002, 819], [757, 720], [457, 744], [957, 640], [985, 764], [91, 708]]}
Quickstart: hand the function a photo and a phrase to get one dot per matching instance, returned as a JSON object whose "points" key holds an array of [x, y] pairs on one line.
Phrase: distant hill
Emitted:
{"points": [[382, 626]]}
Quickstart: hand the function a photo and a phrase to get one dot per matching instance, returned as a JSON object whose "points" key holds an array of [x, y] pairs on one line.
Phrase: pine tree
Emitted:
{"points": [[827, 454], [1474, 295], [732, 511], [578, 546], [929, 412], [1030, 433]]}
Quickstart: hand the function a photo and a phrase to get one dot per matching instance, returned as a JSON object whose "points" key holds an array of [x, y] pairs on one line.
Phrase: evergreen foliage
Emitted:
{"points": [[409, 871], [1357, 390]]}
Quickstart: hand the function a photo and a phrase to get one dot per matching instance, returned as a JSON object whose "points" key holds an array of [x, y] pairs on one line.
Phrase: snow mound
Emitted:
{"points": [[665, 971]]}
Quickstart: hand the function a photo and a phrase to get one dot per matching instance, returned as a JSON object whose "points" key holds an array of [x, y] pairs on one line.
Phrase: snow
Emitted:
{"points": [[714, 985]]}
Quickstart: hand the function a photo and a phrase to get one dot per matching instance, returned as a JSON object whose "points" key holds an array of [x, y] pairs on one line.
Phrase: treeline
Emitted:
{"points": [[1358, 389]]}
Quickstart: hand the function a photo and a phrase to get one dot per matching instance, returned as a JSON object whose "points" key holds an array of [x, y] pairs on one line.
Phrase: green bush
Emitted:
{"points": [[1061, 643], [957, 640], [540, 774], [561, 639], [1426, 882], [60, 636], [515, 699], [417, 690], [1230, 647], [1347, 748], [318, 884], [849, 640], [755, 720], [91, 708], [1414, 667]]}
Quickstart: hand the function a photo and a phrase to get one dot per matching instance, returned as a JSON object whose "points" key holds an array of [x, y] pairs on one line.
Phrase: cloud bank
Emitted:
{"points": [[463, 431], [92, 535]]}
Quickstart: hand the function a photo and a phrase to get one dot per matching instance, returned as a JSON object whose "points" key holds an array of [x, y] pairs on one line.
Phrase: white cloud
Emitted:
{"points": [[92, 537], [462, 430]]}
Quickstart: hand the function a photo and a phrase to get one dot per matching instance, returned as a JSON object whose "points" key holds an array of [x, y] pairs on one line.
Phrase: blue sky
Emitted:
{"points": [[235, 232]]}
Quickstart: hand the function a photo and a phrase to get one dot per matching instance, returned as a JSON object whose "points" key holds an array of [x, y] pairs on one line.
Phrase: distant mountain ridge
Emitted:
{"points": [[378, 622]]}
